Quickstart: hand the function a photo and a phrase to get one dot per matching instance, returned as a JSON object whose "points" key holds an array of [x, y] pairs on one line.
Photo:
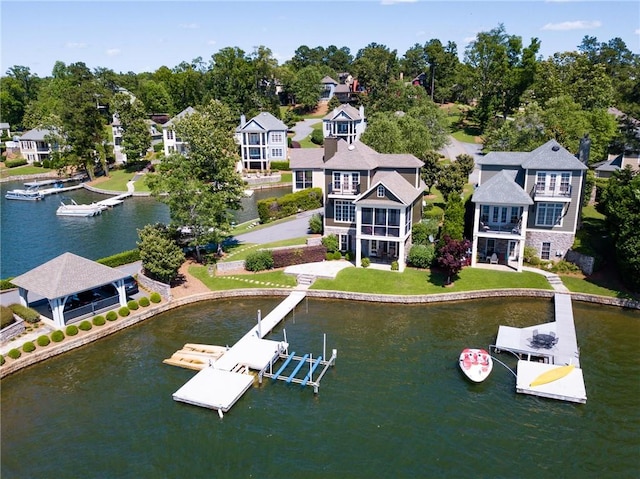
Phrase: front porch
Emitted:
{"points": [[498, 251]]}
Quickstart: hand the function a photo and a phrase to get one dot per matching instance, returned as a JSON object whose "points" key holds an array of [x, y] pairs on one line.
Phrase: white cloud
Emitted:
{"points": [[189, 26], [393, 2], [75, 45], [575, 25], [113, 52], [637, 31], [211, 42]]}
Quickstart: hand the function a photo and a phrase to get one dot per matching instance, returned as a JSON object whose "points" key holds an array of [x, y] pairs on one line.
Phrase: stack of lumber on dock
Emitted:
{"points": [[196, 356]]}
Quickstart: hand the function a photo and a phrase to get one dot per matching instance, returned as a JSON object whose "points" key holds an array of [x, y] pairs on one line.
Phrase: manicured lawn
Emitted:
{"points": [[117, 181], [240, 251], [413, 281], [590, 286], [270, 279], [23, 170]]}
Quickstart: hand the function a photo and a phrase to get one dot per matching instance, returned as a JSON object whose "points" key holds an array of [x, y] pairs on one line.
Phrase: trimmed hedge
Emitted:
{"points": [[57, 336], [85, 325], [14, 163], [395, 266], [6, 284], [71, 330], [144, 301], [98, 320], [280, 166], [111, 316], [366, 262], [275, 208], [421, 256], [132, 304], [123, 312], [43, 340], [6, 317], [14, 353], [28, 347], [259, 260], [119, 259], [298, 255], [155, 298], [28, 314]]}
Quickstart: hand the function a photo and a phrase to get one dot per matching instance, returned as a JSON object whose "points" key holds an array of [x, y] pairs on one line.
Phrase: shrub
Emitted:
{"points": [[6, 284], [529, 253], [350, 256], [6, 317], [71, 330], [46, 163], [28, 347], [28, 314], [144, 301], [331, 242], [275, 208], [421, 256], [85, 325], [43, 340], [421, 231], [123, 312], [14, 353], [119, 259], [2, 360], [259, 261], [564, 266], [280, 166], [366, 262], [337, 255], [111, 316], [315, 224], [57, 336], [132, 304], [395, 266], [98, 320], [297, 255], [14, 163], [155, 298], [37, 164], [317, 137]]}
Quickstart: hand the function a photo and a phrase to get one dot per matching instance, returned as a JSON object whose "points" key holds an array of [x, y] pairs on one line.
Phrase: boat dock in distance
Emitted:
{"points": [[225, 373], [552, 346]]}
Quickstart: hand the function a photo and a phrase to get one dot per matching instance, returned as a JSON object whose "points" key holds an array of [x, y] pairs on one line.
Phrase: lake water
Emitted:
{"points": [[395, 405], [32, 234]]}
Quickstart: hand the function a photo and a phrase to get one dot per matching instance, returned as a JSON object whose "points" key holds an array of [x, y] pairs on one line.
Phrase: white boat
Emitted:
{"points": [[30, 194], [476, 364], [74, 209]]}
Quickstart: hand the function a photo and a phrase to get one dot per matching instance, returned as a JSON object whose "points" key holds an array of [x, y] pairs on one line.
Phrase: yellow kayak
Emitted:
{"points": [[552, 375]]}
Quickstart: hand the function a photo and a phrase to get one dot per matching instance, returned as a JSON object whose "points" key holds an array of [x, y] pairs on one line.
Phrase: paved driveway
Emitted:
{"points": [[303, 128], [295, 228]]}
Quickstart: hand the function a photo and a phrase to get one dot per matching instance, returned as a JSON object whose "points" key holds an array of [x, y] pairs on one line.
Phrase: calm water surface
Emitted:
{"points": [[395, 405], [32, 234]]}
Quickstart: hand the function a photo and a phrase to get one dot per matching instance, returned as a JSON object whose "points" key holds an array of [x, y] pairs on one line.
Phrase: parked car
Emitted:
{"points": [[130, 286]]}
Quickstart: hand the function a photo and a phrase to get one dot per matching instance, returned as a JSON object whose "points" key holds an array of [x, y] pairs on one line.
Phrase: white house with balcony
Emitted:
{"points": [[526, 199], [35, 145], [371, 200], [345, 122], [262, 139], [173, 143]]}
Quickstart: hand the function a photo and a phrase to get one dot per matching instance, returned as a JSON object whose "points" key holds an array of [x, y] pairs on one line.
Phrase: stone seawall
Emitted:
{"points": [[98, 332]]}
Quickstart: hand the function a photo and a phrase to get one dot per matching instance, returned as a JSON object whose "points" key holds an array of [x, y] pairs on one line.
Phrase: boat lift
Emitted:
{"points": [[308, 380]]}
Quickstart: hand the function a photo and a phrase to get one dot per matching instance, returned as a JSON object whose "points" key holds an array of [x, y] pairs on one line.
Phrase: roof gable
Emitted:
{"points": [[501, 189], [345, 110], [552, 155], [328, 79], [37, 134], [400, 188], [264, 121], [186, 112]]}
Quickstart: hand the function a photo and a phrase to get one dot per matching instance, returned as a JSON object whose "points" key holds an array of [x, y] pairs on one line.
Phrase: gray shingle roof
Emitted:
{"points": [[186, 112], [351, 112], [396, 184], [328, 79], [264, 121], [37, 134], [306, 158], [65, 275], [4, 126], [358, 156], [552, 155], [503, 158], [502, 189]]}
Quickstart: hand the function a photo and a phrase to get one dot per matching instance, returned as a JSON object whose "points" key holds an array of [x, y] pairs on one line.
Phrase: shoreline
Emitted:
{"points": [[98, 332]]}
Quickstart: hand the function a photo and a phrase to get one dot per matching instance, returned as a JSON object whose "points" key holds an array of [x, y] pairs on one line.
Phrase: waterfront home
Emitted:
{"points": [[617, 162], [262, 139], [172, 143], [328, 88], [35, 145], [345, 122], [371, 200], [526, 199], [117, 131]]}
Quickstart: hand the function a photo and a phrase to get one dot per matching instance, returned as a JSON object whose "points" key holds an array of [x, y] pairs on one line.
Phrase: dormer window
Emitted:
{"points": [[381, 191]]}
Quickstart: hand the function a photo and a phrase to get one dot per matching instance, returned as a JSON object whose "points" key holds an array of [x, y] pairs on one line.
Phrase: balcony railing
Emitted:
{"points": [[563, 191], [502, 228], [344, 189]]}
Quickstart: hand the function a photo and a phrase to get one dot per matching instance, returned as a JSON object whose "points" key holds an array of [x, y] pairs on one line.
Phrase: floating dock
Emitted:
{"points": [[225, 375], [114, 201], [562, 351]]}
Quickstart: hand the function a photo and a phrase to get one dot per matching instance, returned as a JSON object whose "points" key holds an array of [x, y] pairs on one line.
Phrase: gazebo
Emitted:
{"points": [[65, 276]]}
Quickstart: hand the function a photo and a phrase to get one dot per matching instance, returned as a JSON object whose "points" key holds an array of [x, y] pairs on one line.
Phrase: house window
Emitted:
{"points": [[408, 220], [169, 134], [565, 184], [344, 243], [380, 191], [303, 179], [254, 138], [344, 211], [343, 128], [345, 182], [516, 213], [545, 252], [276, 153], [540, 182], [549, 214], [491, 246], [484, 214], [254, 153], [276, 137]]}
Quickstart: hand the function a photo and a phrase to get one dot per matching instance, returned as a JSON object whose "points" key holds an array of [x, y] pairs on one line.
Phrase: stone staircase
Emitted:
{"points": [[305, 280]]}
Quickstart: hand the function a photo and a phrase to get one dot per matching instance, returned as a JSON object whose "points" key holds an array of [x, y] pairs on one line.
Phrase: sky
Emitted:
{"points": [[141, 36]]}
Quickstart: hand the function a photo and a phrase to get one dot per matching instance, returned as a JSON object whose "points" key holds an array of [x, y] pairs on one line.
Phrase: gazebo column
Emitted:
{"points": [[122, 294], [57, 311], [23, 296]]}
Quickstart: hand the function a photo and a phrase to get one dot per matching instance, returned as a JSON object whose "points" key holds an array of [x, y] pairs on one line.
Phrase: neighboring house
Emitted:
{"points": [[530, 199], [5, 130], [344, 122], [617, 162], [172, 143], [117, 130], [371, 200], [262, 139], [34, 146], [328, 88]]}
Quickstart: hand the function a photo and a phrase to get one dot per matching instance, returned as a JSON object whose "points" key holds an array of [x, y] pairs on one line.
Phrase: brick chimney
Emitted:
{"points": [[330, 147]]}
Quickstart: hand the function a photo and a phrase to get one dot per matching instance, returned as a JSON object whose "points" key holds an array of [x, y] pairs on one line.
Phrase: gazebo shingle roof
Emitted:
{"points": [[65, 275]]}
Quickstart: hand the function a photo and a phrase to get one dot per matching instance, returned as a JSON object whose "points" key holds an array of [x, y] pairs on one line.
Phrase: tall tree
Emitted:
{"points": [[374, 67], [136, 138], [160, 254], [443, 67], [202, 188], [307, 87], [231, 80], [452, 256]]}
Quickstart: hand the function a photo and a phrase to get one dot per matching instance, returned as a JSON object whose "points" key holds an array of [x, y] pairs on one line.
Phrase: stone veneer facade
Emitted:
{"points": [[560, 241]]}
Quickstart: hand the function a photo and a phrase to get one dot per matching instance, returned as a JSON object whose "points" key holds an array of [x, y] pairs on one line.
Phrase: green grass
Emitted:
{"points": [[286, 177], [24, 170], [240, 251], [118, 180], [414, 282], [461, 129], [269, 279], [594, 286]]}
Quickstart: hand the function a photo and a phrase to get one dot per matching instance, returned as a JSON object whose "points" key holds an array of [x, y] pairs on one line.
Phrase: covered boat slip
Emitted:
{"points": [[556, 344]]}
